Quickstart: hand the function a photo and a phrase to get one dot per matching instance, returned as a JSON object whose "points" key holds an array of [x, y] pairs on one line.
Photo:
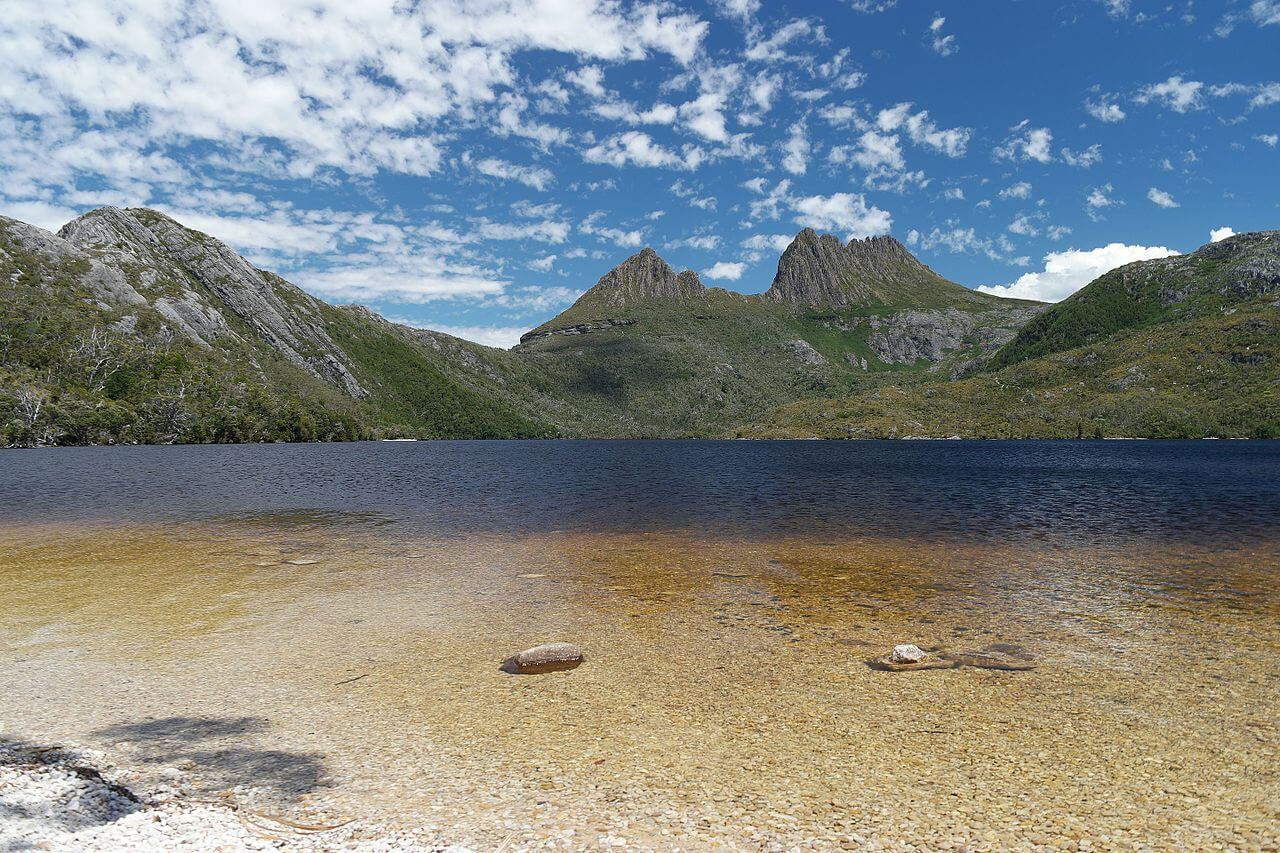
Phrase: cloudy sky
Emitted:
{"points": [[473, 165]]}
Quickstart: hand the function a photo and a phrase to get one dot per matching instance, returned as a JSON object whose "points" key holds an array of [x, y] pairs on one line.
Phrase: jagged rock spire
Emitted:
{"points": [[819, 271]]}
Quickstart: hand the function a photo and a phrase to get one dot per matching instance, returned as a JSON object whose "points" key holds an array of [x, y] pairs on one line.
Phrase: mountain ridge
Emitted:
{"points": [[126, 326]]}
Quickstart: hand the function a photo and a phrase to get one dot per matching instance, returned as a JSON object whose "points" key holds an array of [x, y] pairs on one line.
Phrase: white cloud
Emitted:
{"points": [[635, 147], [1026, 143], [361, 282], [1105, 111], [619, 237], [840, 76], [1066, 272], [1024, 226], [757, 243], [502, 337], [942, 45], [1099, 198], [725, 270], [922, 131], [1160, 198], [1268, 139], [1021, 189], [877, 152], [544, 231], [590, 79], [42, 214], [844, 212], [295, 75], [1117, 8], [1082, 159], [1221, 234], [1265, 95], [774, 48], [1175, 93], [953, 194], [705, 242], [1265, 13], [958, 240], [743, 10], [531, 176], [543, 264], [796, 150], [704, 116]]}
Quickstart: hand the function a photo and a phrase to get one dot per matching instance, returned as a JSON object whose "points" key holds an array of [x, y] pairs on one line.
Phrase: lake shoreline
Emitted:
{"points": [[73, 798]]}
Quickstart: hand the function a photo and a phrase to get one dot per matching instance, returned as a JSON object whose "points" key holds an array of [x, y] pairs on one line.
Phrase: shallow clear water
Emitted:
{"points": [[729, 596]]}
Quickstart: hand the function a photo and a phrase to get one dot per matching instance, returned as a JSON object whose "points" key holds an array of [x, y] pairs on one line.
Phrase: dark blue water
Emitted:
{"points": [[1195, 491]]}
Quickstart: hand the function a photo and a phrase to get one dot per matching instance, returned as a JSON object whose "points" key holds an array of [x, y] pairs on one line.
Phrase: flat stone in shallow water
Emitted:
{"points": [[550, 657]]}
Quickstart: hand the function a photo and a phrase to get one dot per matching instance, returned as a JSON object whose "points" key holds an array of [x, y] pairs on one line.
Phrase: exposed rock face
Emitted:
{"points": [[106, 282], [199, 284], [818, 271], [804, 351], [907, 337], [578, 329], [643, 276], [551, 657]]}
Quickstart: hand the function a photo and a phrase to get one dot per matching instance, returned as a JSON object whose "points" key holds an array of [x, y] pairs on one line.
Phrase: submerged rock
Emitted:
{"points": [[906, 653], [551, 657], [995, 656], [907, 656]]}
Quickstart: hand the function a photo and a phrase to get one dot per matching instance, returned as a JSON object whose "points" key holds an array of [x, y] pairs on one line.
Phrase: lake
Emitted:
{"points": [[318, 628]]}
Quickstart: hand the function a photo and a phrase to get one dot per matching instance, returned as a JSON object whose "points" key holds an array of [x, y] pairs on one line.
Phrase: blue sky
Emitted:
{"points": [[474, 165]]}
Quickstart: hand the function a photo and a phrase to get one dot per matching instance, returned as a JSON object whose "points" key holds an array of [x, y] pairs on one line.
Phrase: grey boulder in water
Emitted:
{"points": [[551, 657]]}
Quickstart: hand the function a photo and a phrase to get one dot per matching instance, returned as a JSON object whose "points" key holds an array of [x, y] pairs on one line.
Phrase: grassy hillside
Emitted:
{"points": [[1148, 293], [1215, 376], [88, 358]]}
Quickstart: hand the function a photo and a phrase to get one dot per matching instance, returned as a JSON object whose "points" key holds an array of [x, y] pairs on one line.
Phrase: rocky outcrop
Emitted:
{"points": [[56, 259], [804, 351], [204, 288], [577, 329], [907, 337]]}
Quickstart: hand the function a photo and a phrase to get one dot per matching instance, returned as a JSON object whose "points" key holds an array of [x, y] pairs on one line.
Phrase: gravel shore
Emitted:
{"points": [[67, 799]]}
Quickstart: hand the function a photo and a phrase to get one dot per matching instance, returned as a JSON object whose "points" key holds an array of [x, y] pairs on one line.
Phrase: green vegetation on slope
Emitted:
{"points": [[411, 391], [1216, 376], [69, 375], [1148, 293], [131, 328]]}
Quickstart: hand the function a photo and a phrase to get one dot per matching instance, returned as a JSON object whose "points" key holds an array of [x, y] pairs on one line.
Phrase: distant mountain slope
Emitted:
{"points": [[654, 352], [1182, 347], [128, 327], [1214, 278]]}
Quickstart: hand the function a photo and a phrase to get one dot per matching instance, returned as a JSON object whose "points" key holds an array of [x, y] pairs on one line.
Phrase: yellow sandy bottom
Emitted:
{"points": [[726, 699]]}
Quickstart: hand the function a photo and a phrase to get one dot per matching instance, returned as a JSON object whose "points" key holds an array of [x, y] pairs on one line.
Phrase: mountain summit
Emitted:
{"points": [[643, 276], [819, 271]]}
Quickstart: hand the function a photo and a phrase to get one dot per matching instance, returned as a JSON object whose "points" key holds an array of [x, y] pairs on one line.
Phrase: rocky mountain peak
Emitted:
{"points": [[205, 289], [644, 275], [819, 271]]}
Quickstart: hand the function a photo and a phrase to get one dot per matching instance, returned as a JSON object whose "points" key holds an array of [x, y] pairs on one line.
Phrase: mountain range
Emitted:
{"points": [[126, 326]]}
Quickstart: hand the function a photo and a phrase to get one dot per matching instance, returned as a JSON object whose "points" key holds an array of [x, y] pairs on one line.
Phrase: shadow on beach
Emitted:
{"points": [[221, 752]]}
